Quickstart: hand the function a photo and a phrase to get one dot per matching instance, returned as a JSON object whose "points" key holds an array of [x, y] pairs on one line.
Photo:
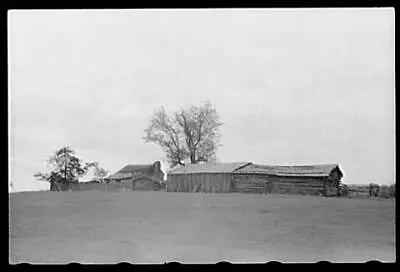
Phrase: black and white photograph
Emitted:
{"points": [[199, 136]]}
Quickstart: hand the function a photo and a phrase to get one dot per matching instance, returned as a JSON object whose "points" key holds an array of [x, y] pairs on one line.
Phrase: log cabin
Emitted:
{"points": [[144, 173]]}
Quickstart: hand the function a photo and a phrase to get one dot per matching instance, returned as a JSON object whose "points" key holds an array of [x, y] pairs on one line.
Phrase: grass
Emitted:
{"points": [[157, 227]]}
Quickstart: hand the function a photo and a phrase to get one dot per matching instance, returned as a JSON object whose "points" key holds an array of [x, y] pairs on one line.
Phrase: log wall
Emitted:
{"points": [[256, 183]]}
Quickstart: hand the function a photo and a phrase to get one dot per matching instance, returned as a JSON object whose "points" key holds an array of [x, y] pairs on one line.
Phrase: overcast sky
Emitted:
{"points": [[292, 86]]}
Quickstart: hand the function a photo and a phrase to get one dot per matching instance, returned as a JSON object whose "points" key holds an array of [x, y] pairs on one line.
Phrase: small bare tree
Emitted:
{"points": [[190, 134], [100, 173]]}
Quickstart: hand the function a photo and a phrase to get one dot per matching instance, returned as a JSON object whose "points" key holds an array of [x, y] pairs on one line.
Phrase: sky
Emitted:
{"points": [[292, 86]]}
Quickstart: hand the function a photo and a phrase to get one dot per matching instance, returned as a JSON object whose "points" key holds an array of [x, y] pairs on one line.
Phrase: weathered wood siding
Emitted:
{"points": [[251, 183], [212, 182], [127, 184], [258, 183], [145, 184]]}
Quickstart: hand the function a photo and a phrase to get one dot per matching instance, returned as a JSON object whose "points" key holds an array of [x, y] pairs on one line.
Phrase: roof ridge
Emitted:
{"points": [[298, 165], [209, 167], [301, 170]]}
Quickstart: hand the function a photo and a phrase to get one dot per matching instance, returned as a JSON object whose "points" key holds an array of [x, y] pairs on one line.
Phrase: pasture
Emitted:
{"points": [[158, 227]]}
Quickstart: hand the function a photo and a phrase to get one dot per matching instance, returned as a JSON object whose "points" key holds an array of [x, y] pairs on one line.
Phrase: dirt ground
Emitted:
{"points": [[158, 227]]}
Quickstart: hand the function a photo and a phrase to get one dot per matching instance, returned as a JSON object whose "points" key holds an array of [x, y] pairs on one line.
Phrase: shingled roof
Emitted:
{"points": [[135, 167], [319, 170], [209, 168], [148, 177], [120, 175], [130, 170]]}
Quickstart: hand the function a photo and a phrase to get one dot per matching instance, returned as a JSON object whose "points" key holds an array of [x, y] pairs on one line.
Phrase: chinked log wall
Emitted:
{"points": [[199, 182], [252, 183]]}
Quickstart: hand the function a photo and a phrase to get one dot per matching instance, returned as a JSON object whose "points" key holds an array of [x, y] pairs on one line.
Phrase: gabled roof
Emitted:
{"points": [[129, 170], [120, 175], [318, 170], [209, 168], [135, 167]]}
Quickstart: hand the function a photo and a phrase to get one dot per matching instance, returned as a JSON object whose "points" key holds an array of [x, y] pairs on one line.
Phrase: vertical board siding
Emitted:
{"points": [[199, 182]]}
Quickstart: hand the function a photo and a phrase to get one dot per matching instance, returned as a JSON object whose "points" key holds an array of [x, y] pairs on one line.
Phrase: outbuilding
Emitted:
{"points": [[323, 179], [205, 177], [320, 179], [141, 173]]}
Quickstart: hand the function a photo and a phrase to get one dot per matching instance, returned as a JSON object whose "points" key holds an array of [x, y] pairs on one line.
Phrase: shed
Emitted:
{"points": [[322, 179], [205, 177], [126, 176]]}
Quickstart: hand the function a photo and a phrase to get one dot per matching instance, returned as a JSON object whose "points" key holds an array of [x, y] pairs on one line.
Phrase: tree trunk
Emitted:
{"points": [[192, 158], [65, 166]]}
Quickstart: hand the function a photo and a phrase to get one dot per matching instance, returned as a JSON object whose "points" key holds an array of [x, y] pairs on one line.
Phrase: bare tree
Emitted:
{"points": [[190, 134], [100, 173]]}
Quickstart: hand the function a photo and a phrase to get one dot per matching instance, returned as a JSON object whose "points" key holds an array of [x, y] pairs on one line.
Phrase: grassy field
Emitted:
{"points": [[158, 227]]}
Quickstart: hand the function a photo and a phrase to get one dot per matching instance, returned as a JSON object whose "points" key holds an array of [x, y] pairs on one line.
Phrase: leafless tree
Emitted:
{"points": [[100, 172], [190, 134]]}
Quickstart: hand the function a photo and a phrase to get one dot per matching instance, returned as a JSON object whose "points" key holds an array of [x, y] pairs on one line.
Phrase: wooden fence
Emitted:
{"points": [[365, 190]]}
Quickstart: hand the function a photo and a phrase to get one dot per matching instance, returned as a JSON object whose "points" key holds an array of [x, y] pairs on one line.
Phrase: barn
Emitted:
{"points": [[207, 177], [254, 178], [322, 179], [144, 173]]}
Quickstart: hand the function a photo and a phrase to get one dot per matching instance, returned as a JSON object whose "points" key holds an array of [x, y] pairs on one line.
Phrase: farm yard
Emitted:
{"points": [[158, 227]]}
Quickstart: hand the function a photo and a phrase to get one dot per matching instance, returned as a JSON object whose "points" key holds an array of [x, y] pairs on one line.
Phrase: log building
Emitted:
{"points": [[254, 178], [147, 177]]}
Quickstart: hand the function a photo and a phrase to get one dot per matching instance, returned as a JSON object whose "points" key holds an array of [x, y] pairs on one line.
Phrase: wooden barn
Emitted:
{"points": [[143, 174], [254, 178], [306, 179], [207, 177]]}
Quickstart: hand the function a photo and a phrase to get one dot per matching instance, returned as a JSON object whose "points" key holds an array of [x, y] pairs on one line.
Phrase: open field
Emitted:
{"points": [[157, 227]]}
